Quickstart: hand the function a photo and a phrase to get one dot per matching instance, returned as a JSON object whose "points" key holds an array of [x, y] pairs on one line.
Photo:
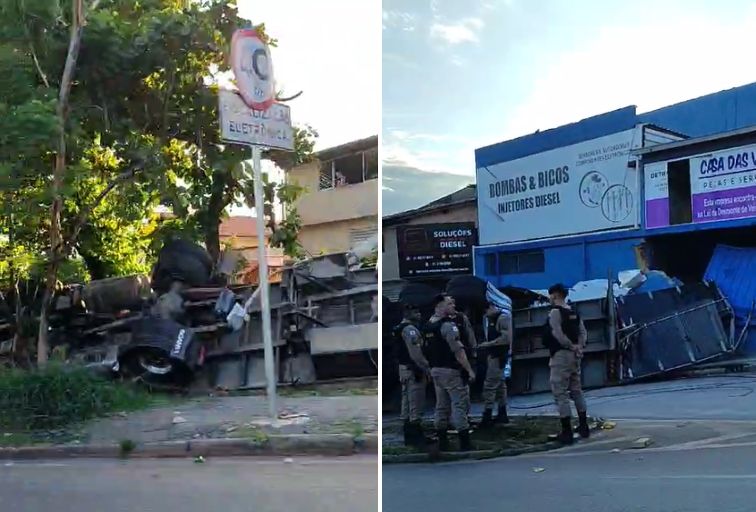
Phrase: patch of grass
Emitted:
{"points": [[351, 426], [523, 431], [58, 396], [16, 439], [126, 447], [326, 392], [252, 433], [399, 450]]}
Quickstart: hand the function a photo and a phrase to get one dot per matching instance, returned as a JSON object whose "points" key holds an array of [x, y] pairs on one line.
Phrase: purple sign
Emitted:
{"points": [[657, 213], [723, 185], [657, 196], [724, 205]]}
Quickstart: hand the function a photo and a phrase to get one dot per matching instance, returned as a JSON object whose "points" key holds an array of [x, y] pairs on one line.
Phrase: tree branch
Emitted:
{"points": [[36, 61], [84, 215]]}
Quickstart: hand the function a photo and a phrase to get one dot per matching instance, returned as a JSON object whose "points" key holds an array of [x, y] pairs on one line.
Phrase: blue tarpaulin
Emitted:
{"points": [[734, 271]]}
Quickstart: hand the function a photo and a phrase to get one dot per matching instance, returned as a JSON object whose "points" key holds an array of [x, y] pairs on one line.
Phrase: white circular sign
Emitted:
{"points": [[253, 69]]}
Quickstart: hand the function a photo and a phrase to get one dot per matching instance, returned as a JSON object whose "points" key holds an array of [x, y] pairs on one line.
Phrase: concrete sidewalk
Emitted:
{"points": [[220, 426], [239, 416]]}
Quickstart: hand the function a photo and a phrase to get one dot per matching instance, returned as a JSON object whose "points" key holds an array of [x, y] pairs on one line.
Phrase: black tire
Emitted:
{"points": [[181, 260]]}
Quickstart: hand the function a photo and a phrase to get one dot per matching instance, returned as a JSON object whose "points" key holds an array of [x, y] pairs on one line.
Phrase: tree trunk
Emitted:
{"points": [[56, 245], [212, 237], [97, 268], [217, 204]]}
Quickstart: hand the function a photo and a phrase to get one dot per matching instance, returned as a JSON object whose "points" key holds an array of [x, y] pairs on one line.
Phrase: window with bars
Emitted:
{"points": [[358, 236], [349, 169], [326, 175], [532, 262], [490, 264]]}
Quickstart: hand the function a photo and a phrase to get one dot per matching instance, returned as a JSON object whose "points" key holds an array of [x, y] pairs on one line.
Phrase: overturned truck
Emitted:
{"points": [[185, 327]]}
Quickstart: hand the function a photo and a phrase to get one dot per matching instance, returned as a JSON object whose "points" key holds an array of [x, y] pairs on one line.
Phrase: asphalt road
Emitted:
{"points": [[694, 480], [228, 485], [710, 398]]}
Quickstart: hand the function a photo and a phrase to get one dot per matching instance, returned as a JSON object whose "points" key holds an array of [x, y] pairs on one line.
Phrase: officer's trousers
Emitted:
{"points": [[452, 399], [495, 386], [413, 394], [565, 382]]}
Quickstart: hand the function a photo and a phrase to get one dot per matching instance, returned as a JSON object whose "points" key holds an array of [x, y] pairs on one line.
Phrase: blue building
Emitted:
{"points": [[518, 249]]}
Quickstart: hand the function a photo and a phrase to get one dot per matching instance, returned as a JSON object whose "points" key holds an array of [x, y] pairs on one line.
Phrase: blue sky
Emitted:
{"points": [[461, 75]]}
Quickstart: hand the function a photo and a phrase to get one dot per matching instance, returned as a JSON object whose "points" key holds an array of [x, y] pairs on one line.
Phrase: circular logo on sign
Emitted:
{"points": [[617, 203], [592, 188], [253, 69]]}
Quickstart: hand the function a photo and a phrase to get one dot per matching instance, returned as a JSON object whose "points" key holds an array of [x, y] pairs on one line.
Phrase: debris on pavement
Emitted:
{"points": [[199, 459], [539, 470], [178, 420], [643, 442]]}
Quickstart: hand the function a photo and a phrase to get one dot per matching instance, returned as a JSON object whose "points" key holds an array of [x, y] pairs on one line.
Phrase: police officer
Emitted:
{"points": [[468, 339], [413, 368], [568, 338], [497, 344], [447, 358]]}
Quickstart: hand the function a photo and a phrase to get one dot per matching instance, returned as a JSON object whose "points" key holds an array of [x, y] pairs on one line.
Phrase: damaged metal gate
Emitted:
{"points": [[673, 329]]}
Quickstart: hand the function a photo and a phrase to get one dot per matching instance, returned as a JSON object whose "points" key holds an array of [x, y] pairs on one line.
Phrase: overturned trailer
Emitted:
{"points": [[186, 327], [631, 336], [325, 326], [648, 326]]}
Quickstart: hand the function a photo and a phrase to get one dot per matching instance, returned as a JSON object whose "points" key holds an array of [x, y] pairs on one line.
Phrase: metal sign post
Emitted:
{"points": [[252, 118], [270, 369]]}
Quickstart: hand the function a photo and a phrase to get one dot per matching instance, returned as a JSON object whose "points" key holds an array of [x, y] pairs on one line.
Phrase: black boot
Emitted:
{"points": [[501, 416], [407, 433], [487, 420], [443, 440], [418, 437], [464, 440], [583, 429], [565, 436]]}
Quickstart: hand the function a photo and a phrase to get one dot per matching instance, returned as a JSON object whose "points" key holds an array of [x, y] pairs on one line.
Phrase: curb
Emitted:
{"points": [[418, 458], [338, 445]]}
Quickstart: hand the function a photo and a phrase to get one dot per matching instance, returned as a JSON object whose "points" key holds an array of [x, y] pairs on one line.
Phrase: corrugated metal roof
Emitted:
{"points": [[734, 271], [463, 196], [348, 148]]}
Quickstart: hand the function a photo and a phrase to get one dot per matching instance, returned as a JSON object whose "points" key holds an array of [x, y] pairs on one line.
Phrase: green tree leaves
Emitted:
{"points": [[143, 104]]}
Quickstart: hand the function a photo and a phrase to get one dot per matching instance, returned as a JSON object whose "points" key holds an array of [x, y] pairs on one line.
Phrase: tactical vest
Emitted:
{"points": [[499, 351], [462, 328], [402, 353], [570, 327], [436, 348], [493, 333]]}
